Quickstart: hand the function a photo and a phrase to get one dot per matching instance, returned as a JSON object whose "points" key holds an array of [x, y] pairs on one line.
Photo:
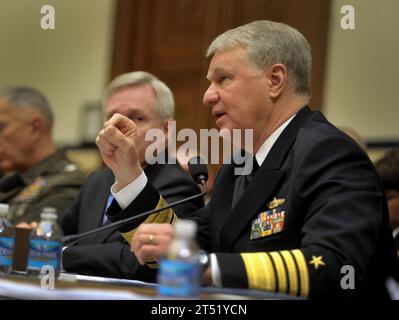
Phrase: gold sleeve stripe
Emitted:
{"points": [[260, 271], [303, 272], [278, 271], [281, 272], [270, 276], [165, 216], [252, 274], [292, 272], [128, 235]]}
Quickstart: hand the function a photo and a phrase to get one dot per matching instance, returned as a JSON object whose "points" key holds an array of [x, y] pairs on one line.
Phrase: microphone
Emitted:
{"points": [[198, 171]]}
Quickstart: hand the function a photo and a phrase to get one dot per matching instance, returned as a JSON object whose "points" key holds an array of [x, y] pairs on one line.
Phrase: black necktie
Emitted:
{"points": [[242, 182]]}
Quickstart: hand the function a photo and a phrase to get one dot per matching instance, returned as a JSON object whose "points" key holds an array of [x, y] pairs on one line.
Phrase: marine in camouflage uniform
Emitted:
{"points": [[39, 175]]}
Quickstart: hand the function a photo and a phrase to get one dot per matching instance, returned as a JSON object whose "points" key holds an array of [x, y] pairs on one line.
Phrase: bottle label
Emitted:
{"points": [[178, 278], [44, 252], [6, 251]]}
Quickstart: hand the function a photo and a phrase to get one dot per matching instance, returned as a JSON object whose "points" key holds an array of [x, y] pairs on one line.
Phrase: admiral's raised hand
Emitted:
{"points": [[116, 142]]}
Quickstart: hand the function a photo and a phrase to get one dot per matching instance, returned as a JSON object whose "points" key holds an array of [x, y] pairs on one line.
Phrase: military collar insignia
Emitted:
{"points": [[275, 203]]}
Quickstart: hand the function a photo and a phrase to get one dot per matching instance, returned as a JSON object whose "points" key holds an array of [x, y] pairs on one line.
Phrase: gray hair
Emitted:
{"points": [[266, 43], [28, 97], [165, 102]]}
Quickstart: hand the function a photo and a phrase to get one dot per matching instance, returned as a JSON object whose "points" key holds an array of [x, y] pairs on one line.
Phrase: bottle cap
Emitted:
{"points": [[185, 228], [4, 208], [48, 213]]}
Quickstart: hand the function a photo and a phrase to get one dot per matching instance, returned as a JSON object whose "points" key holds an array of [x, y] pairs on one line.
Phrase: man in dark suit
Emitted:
{"points": [[309, 220], [146, 100]]}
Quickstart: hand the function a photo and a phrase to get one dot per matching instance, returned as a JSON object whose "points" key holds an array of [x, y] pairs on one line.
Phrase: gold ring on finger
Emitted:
{"points": [[151, 239]]}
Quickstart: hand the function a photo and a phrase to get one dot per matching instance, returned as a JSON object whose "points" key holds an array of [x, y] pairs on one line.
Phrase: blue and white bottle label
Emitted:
{"points": [[178, 278], [44, 252], [6, 251]]}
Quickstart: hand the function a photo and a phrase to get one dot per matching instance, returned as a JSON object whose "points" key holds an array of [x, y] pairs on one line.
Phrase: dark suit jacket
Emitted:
{"points": [[330, 215], [107, 253]]}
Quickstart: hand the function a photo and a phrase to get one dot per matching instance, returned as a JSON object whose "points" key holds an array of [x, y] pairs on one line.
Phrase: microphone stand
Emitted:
{"points": [[72, 239]]}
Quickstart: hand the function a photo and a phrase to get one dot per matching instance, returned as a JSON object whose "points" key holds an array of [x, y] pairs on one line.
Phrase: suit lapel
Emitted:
{"points": [[221, 205], [263, 183]]}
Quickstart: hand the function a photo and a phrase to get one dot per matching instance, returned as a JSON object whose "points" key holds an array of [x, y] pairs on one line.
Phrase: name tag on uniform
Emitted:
{"points": [[268, 222]]}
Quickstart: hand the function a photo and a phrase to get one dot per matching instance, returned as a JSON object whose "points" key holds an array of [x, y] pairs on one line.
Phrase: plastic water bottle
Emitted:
{"points": [[180, 270], [45, 244], [7, 236]]}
